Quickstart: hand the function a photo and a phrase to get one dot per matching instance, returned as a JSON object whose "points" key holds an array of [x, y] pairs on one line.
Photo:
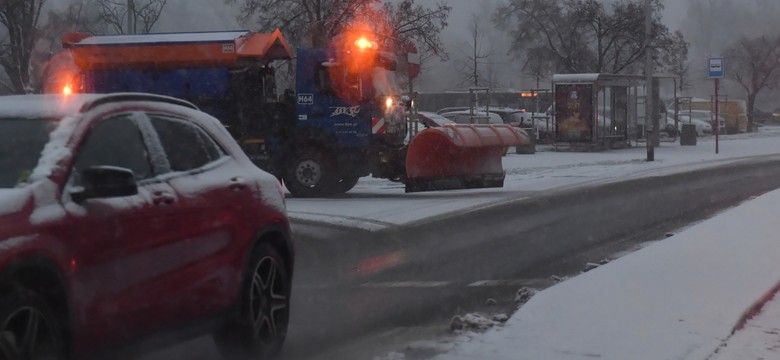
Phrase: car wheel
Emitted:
{"points": [[261, 327], [310, 174], [28, 328]]}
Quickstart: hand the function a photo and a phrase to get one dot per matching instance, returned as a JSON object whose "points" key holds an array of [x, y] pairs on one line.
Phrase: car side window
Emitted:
{"points": [[187, 146], [116, 142]]}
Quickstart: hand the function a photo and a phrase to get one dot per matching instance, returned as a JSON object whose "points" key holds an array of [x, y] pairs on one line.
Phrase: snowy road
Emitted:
{"points": [[357, 292], [427, 272], [379, 268]]}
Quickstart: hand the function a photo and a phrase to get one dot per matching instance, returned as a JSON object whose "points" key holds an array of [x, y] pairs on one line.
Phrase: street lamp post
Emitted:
{"points": [[649, 91], [131, 28]]}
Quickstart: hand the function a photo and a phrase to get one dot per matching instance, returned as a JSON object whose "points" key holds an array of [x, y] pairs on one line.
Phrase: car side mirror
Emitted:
{"points": [[105, 182]]}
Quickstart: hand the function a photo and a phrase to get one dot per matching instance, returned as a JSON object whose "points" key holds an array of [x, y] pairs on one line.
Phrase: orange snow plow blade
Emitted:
{"points": [[460, 156]]}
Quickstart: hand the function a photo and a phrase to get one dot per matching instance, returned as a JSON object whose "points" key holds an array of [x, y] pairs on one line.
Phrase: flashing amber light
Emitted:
{"points": [[363, 44], [389, 102], [67, 90]]}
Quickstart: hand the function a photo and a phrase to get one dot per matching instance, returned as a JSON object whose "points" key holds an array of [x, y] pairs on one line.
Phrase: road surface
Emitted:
{"points": [[359, 294]]}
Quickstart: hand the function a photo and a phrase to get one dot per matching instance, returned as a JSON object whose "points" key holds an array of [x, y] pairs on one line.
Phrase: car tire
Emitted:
{"points": [[28, 328], [310, 173], [260, 328]]}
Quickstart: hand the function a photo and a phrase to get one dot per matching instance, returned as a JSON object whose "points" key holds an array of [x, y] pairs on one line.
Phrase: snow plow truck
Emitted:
{"points": [[344, 119]]}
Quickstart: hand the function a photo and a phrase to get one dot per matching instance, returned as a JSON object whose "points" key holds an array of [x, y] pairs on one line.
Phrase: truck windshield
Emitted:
{"points": [[336, 80], [385, 82], [21, 144]]}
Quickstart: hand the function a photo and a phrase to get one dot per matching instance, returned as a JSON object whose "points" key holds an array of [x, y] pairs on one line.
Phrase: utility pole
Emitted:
{"points": [[649, 91]]}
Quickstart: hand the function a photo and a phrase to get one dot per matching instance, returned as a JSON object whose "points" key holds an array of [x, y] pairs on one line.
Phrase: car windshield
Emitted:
{"points": [[21, 144]]}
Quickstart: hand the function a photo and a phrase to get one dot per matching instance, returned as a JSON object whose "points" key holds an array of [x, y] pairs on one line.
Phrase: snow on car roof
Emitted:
{"points": [[493, 118], [436, 118], [499, 109], [56, 105], [46, 106], [430, 114]]}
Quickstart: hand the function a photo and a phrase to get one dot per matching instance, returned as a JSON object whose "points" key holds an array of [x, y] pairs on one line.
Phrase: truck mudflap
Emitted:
{"points": [[458, 156]]}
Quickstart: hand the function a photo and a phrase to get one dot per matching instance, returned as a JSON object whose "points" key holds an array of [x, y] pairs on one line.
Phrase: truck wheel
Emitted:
{"points": [[346, 183], [28, 328], [261, 327], [310, 174]]}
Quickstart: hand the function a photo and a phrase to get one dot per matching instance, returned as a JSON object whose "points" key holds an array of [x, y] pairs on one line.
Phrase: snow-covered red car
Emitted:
{"points": [[128, 216]]}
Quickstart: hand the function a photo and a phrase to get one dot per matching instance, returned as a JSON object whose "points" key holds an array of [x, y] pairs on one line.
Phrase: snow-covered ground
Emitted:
{"points": [[681, 298], [691, 296], [707, 292], [375, 204]]}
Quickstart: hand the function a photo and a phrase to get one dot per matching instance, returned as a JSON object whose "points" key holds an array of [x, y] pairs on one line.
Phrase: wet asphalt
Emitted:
{"points": [[358, 294]]}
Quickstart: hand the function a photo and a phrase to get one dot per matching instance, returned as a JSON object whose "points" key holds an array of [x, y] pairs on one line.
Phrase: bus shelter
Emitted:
{"points": [[598, 109]]}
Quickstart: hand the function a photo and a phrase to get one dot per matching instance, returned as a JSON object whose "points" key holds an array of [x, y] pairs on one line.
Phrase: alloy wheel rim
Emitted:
{"points": [[267, 301], [27, 334]]}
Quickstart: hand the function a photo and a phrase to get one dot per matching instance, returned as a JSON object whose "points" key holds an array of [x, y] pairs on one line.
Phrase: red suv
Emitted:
{"points": [[127, 218]]}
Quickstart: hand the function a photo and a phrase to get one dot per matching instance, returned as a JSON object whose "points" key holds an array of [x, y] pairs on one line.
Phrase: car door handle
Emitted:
{"points": [[163, 198], [237, 184]]}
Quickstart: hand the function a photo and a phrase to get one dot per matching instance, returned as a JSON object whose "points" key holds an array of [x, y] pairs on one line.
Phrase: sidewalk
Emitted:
{"points": [[680, 298], [758, 340]]}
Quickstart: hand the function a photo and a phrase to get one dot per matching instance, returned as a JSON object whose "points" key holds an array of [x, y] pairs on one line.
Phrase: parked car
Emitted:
{"points": [[523, 119], [510, 116], [698, 116], [706, 116], [431, 119], [127, 216], [465, 117], [703, 127], [451, 109]]}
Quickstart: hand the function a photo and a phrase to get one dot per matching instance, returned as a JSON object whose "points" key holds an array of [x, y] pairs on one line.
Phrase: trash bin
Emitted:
{"points": [[531, 147], [688, 135]]}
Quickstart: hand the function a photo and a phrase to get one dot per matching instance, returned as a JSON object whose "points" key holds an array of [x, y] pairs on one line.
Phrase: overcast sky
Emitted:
{"points": [[737, 18], [456, 37], [208, 15]]}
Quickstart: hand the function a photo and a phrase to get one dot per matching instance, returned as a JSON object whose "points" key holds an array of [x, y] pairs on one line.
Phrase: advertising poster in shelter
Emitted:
{"points": [[574, 112]]}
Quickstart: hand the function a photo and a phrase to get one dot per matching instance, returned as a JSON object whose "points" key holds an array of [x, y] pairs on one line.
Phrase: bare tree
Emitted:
{"points": [[675, 60], [316, 22], [753, 63], [77, 17], [538, 65], [582, 35], [128, 16], [20, 19], [474, 58], [305, 22], [409, 22], [539, 23]]}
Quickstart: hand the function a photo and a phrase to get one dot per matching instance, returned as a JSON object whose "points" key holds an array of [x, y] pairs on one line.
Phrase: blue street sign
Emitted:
{"points": [[715, 67]]}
